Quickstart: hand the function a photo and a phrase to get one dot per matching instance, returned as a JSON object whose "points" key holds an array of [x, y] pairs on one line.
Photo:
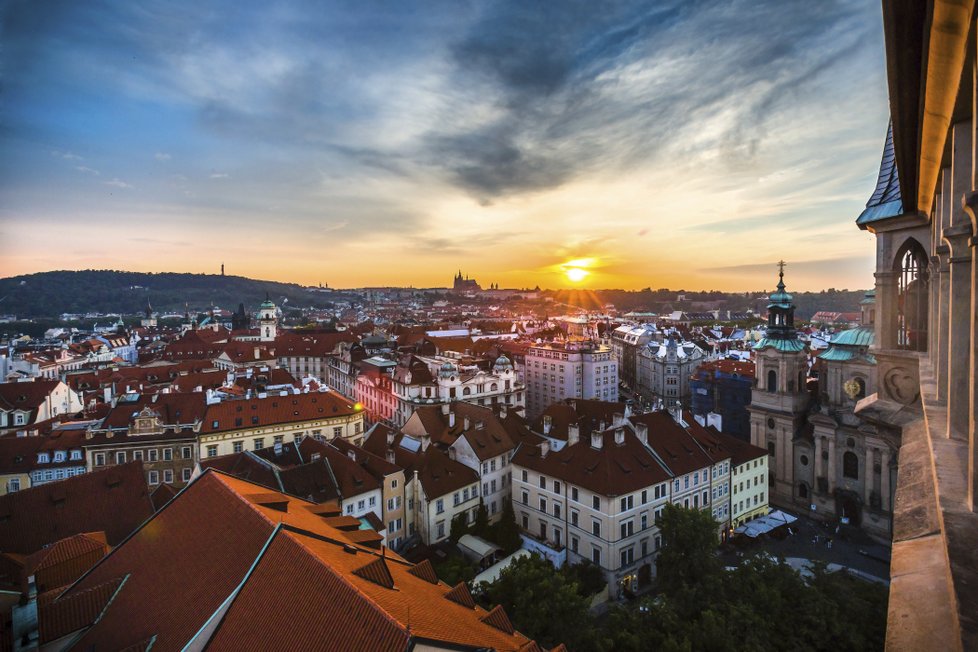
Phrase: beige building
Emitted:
{"points": [[555, 372], [252, 424]]}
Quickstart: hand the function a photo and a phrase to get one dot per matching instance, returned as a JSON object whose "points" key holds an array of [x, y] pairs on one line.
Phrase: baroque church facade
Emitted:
{"points": [[824, 460]]}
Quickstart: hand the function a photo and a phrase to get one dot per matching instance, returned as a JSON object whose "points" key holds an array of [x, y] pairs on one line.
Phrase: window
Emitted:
{"points": [[186, 475], [76, 455], [238, 446], [154, 477], [338, 431], [770, 448], [574, 494], [440, 528], [557, 510], [596, 502], [850, 465], [59, 456], [596, 554], [13, 485], [645, 521], [526, 521], [137, 456], [596, 527], [543, 505], [439, 506], [168, 476], [574, 515], [574, 543], [556, 487], [120, 457], [211, 451], [772, 380], [187, 452], [526, 498], [393, 484], [912, 298], [543, 482], [645, 496], [259, 443], [167, 454], [524, 475], [627, 556], [349, 508]]}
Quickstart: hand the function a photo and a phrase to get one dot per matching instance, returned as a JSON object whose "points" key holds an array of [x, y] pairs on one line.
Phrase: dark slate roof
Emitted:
{"points": [[886, 200]]}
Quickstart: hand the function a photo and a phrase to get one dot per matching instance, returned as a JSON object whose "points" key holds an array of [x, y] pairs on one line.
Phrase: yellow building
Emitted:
{"points": [[253, 424]]}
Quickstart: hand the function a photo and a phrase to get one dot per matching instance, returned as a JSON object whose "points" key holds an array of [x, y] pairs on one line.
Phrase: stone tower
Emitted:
{"points": [[267, 321], [779, 400]]}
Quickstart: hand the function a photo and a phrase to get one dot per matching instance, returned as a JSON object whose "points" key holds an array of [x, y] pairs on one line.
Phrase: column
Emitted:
{"points": [[957, 236], [886, 309], [943, 288], [885, 479], [868, 477], [818, 459], [831, 471], [960, 325]]}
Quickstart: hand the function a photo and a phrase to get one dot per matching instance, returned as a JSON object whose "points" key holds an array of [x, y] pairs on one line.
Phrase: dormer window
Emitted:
{"points": [[76, 454], [43, 458], [59, 456]]}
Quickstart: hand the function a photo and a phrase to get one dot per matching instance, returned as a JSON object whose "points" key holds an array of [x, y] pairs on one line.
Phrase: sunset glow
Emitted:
{"points": [[435, 139]]}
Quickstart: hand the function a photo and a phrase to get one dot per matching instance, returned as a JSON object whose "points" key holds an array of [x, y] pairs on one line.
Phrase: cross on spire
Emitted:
{"points": [[781, 265]]}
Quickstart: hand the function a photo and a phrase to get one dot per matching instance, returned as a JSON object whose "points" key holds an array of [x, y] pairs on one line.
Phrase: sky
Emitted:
{"points": [[681, 144]]}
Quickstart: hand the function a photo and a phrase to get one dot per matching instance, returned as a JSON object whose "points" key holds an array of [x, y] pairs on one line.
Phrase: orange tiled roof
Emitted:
{"points": [[279, 574]]}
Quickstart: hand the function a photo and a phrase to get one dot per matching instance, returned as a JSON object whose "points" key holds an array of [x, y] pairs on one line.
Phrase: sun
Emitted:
{"points": [[576, 274]]}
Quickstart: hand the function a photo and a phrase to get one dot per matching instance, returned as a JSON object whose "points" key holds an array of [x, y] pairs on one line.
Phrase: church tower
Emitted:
{"points": [[267, 321], [779, 400]]}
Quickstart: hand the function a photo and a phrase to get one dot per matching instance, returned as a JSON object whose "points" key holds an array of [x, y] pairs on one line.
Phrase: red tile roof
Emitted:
{"points": [[248, 413], [288, 579], [114, 501]]}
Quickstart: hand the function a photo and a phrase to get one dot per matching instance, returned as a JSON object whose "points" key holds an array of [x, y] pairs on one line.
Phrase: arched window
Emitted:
{"points": [[850, 465], [493, 387], [466, 391], [802, 490], [772, 381], [912, 304]]}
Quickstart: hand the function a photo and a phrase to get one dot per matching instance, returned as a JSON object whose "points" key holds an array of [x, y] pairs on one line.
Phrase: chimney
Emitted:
{"points": [[466, 423], [502, 411], [390, 437], [107, 394], [451, 418], [390, 456], [619, 436], [352, 455], [617, 419], [642, 432], [675, 412], [573, 434], [257, 353], [544, 448], [547, 424], [597, 440], [480, 424], [445, 408]]}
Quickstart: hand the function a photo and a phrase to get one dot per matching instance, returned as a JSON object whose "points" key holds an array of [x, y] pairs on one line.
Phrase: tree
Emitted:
{"points": [[587, 576], [506, 533], [544, 604], [688, 557], [460, 527], [455, 569], [481, 526]]}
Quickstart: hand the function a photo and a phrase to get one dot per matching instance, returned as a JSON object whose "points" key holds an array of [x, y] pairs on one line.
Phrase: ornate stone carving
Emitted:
{"points": [[901, 385]]}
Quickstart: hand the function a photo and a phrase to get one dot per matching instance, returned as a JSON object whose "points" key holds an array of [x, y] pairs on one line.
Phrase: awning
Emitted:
{"points": [[765, 524]]}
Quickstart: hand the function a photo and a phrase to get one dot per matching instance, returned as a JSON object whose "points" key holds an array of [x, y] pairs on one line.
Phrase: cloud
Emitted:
{"points": [[162, 156], [68, 156], [806, 266], [118, 183], [220, 175], [88, 170]]}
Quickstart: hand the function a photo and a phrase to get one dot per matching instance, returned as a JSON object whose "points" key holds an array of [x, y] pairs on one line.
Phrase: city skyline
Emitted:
{"points": [[361, 147]]}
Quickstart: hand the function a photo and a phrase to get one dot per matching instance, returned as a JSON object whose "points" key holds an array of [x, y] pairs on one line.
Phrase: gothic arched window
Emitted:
{"points": [[911, 326], [850, 465], [772, 381]]}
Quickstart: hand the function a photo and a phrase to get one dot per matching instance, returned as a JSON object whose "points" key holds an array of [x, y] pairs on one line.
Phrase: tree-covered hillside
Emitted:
{"points": [[49, 294]]}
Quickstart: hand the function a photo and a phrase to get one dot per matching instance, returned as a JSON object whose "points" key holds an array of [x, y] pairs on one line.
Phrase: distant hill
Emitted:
{"points": [[49, 294]]}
